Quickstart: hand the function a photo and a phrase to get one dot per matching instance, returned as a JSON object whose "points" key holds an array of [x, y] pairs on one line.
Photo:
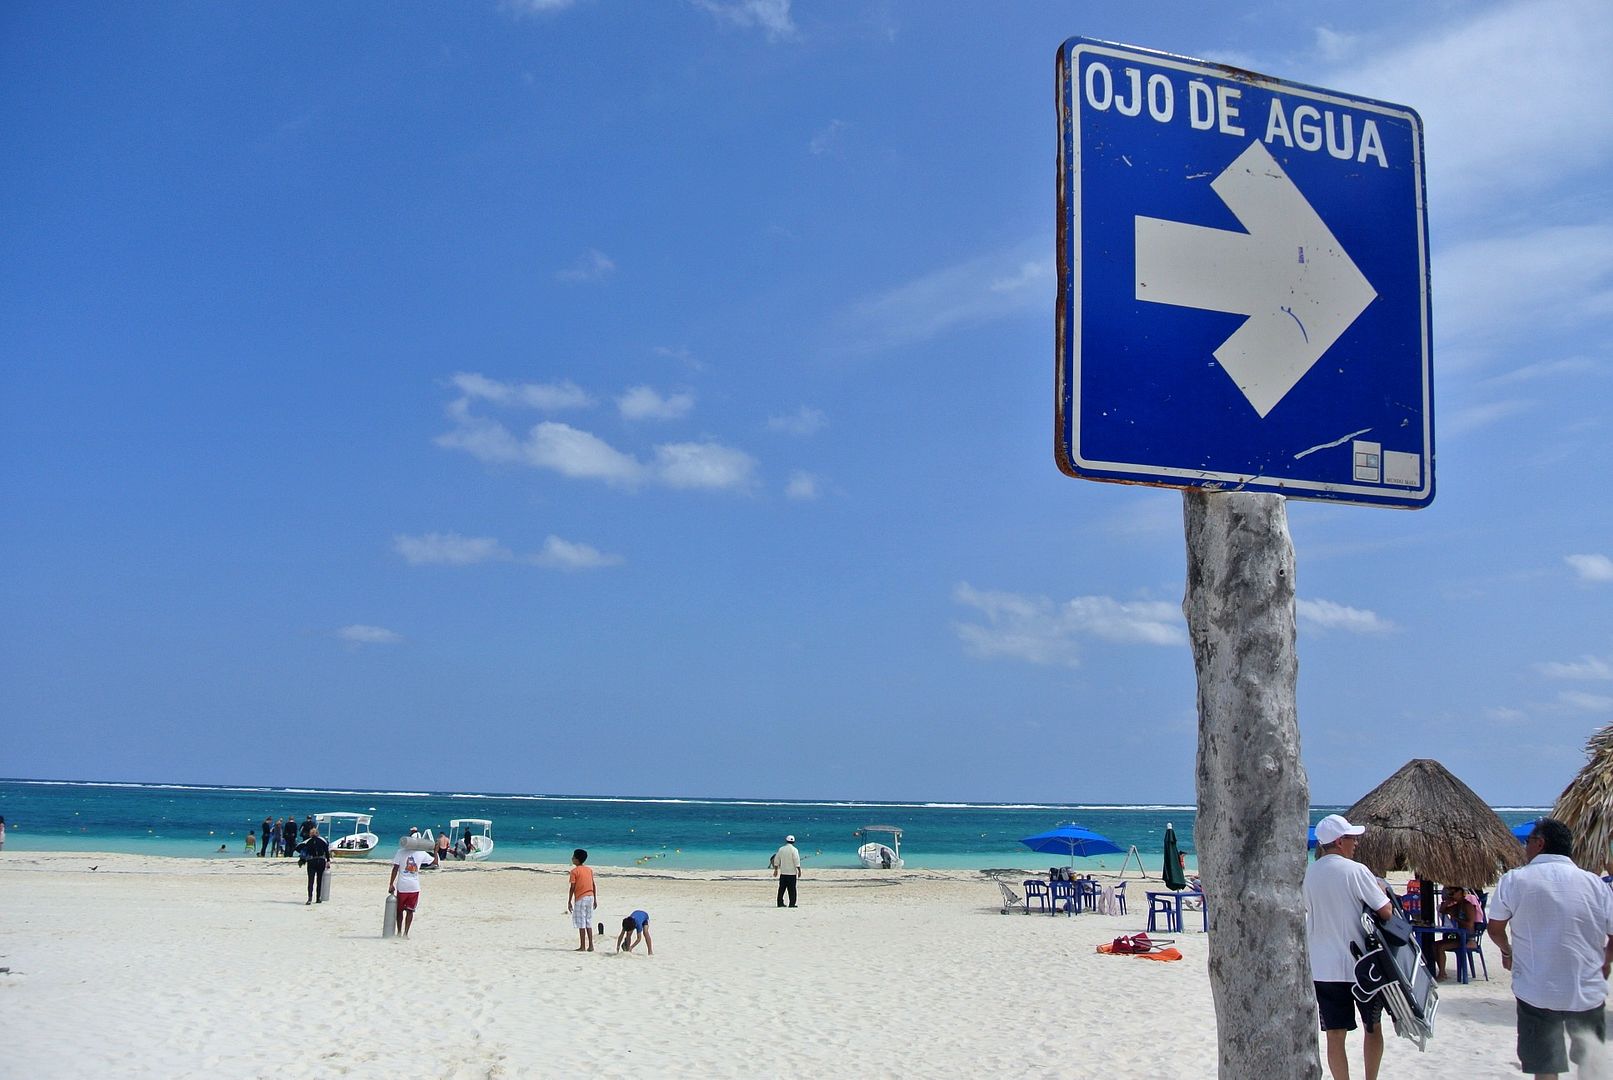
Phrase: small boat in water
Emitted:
{"points": [[877, 856], [472, 837], [348, 834]]}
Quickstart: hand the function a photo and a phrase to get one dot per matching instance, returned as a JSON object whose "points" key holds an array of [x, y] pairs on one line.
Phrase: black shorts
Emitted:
{"points": [[1540, 1036], [1336, 1003]]}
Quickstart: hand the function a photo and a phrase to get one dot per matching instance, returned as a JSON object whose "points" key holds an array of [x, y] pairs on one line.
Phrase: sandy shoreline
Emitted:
{"points": [[154, 967]]}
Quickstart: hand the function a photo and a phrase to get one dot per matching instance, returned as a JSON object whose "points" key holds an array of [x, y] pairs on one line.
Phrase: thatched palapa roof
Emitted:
{"points": [[1423, 819], [1586, 804]]}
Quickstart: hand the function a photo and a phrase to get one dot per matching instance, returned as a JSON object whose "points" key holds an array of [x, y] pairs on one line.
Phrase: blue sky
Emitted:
{"points": [[602, 397]]}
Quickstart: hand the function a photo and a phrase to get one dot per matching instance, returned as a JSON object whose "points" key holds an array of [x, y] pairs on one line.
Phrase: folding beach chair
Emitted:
{"points": [[1010, 898], [1392, 967]]}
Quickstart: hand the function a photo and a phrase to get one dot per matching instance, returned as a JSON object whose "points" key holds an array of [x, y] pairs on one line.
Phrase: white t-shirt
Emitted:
{"points": [[1336, 889], [1560, 918], [789, 861], [408, 879]]}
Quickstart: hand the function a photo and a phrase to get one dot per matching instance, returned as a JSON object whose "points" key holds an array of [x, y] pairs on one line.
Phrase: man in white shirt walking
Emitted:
{"points": [[787, 868], [1559, 951], [1337, 890]]}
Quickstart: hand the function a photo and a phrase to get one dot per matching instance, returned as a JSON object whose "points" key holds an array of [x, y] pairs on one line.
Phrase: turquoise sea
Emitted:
{"points": [[685, 834]]}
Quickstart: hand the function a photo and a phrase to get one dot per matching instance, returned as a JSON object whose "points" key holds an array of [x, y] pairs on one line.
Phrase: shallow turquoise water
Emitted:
{"points": [[686, 834]]}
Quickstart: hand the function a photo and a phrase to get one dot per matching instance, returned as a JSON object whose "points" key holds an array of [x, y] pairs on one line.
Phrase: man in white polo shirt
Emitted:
{"points": [[1337, 890], [1560, 949]]}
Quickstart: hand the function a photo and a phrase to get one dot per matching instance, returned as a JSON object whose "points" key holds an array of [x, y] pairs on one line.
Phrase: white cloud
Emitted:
{"points": [[591, 266], [1505, 714], [1586, 667], [1323, 615], [1560, 276], [448, 549], [803, 421], [1596, 568], [548, 397], [828, 140], [580, 455], [703, 465], [535, 7], [1469, 418], [682, 354], [995, 286], [359, 634], [1038, 630], [770, 16], [645, 403], [1582, 702], [1333, 46], [1512, 99], [561, 554], [802, 486], [1545, 369], [481, 438]]}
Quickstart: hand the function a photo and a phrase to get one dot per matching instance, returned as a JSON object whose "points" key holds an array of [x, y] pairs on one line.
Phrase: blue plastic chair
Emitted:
{"points": [[1036, 890], [1120, 895], [1064, 896], [1475, 950], [1163, 905]]}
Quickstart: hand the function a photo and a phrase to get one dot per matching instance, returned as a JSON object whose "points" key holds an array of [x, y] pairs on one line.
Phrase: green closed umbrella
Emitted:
{"points": [[1175, 880]]}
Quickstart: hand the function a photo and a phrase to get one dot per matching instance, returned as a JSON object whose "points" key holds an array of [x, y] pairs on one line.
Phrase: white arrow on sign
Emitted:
{"points": [[1287, 273]]}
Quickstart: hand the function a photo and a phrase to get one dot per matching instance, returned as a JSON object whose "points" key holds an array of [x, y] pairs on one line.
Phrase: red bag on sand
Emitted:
{"points": [[1135, 943]]}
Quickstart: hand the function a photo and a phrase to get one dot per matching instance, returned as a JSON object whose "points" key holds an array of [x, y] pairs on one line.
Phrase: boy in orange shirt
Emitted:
{"points": [[580, 900]]}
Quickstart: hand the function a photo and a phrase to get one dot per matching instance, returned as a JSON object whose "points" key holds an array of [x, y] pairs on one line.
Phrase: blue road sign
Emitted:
{"points": [[1243, 283]]}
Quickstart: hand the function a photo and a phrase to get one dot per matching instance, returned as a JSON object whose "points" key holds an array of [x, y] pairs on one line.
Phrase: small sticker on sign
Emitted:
{"points": [[1368, 461], [1402, 470]]}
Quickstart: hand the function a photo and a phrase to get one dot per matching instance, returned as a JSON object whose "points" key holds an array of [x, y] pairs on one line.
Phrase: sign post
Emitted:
{"points": [[1243, 314]]}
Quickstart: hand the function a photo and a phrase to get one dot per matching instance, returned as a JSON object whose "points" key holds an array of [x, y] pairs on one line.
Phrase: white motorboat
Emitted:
{"points": [[349, 835], [877, 856], [472, 837]]}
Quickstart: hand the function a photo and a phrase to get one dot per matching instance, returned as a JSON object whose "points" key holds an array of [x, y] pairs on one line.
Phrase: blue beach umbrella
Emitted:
{"points": [[1522, 831], [1310, 837], [1072, 840]]}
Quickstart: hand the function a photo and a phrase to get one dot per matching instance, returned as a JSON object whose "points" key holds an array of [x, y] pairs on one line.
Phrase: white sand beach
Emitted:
{"points": [[152, 967]]}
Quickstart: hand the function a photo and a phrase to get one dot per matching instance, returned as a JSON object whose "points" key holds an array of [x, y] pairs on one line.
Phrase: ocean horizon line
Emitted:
{"points": [[692, 800]]}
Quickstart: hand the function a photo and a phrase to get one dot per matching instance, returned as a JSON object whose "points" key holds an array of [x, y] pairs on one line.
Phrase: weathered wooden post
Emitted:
{"points": [[1253, 797]]}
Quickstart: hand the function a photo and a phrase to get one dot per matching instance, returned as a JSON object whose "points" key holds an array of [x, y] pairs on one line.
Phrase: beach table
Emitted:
{"points": [[1168, 906], [1428, 935]]}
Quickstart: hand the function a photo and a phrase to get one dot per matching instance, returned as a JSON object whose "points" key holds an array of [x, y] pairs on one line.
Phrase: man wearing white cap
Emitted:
{"points": [[1337, 890], [787, 868]]}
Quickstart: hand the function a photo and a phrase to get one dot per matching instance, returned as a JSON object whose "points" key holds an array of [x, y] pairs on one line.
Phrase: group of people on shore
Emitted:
{"points": [[582, 893], [279, 837], [582, 898], [1551, 921], [284, 837]]}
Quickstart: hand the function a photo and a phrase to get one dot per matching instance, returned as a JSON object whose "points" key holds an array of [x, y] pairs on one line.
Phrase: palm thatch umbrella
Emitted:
{"points": [[1426, 820], [1586, 804]]}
